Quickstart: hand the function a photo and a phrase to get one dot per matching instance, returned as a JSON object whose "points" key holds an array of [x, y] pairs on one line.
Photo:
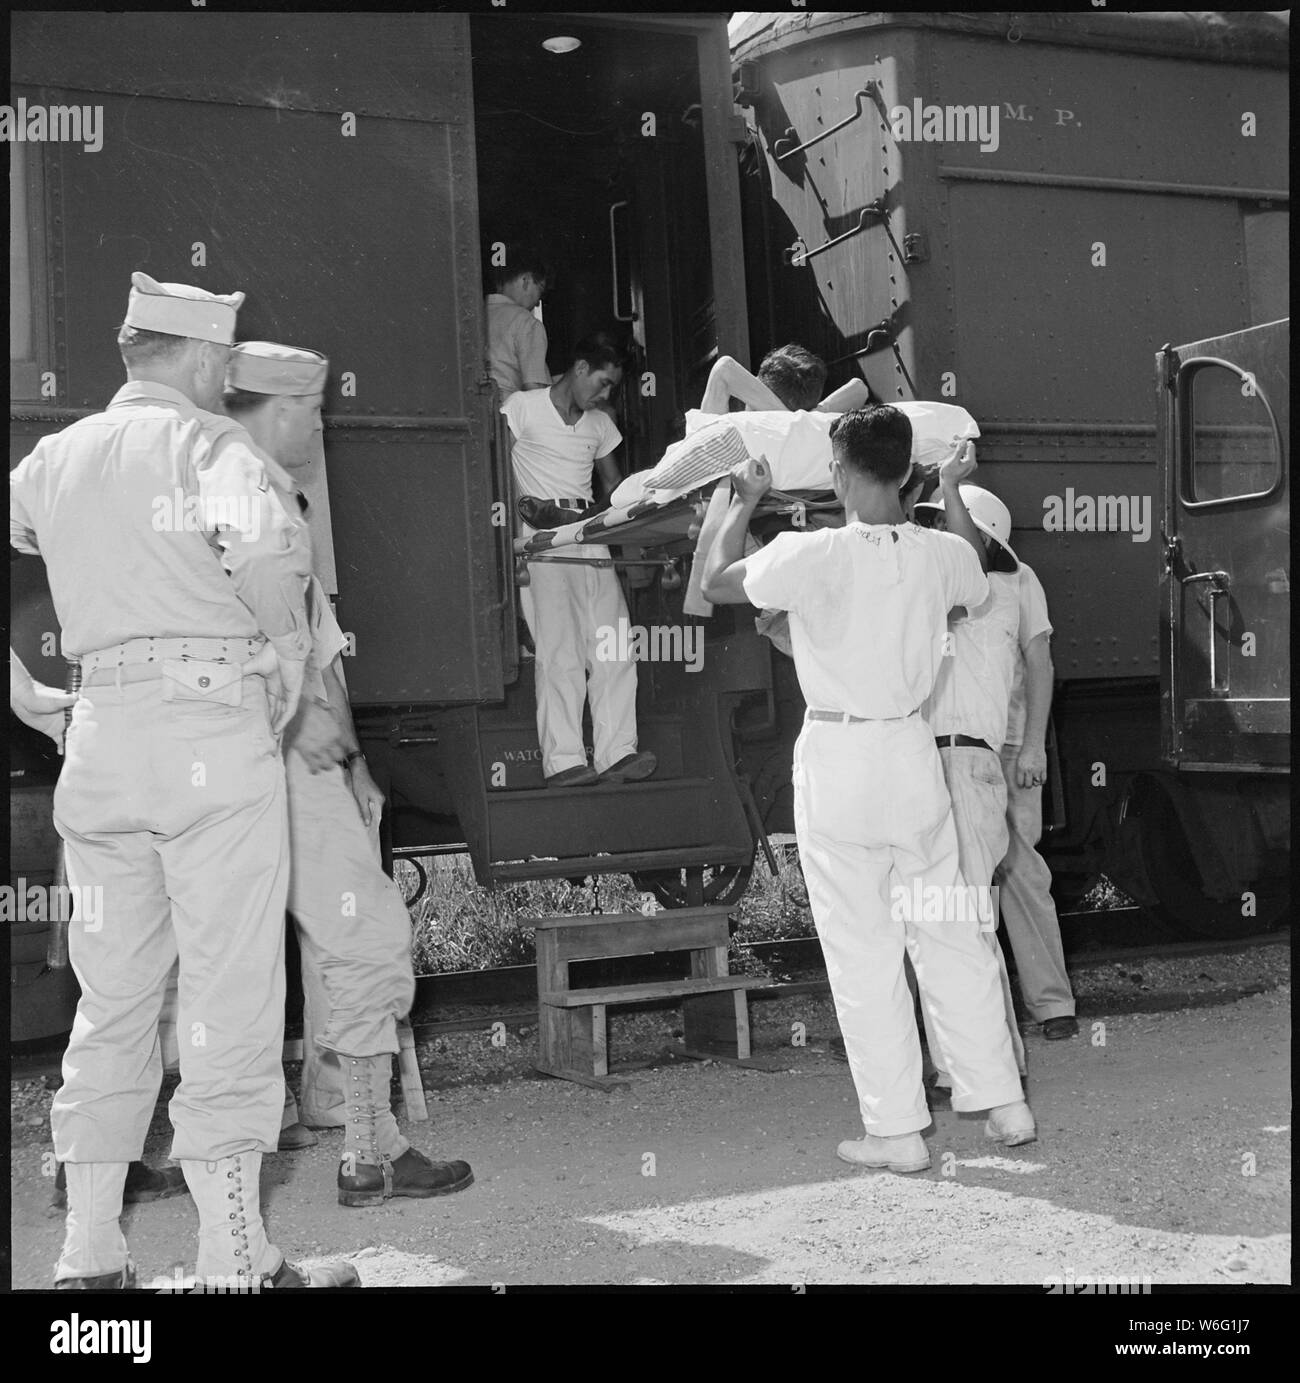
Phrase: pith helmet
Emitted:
{"points": [[988, 514]]}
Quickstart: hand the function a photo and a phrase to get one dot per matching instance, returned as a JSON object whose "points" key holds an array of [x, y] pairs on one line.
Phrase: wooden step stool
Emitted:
{"points": [[572, 1032]]}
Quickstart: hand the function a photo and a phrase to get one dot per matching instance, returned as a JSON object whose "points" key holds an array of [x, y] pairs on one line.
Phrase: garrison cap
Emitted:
{"points": [[263, 367], [177, 309]]}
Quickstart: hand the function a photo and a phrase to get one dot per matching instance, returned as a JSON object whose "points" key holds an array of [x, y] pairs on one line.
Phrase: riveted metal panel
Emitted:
{"points": [[399, 66], [361, 245], [322, 231], [1088, 113], [1043, 333]]}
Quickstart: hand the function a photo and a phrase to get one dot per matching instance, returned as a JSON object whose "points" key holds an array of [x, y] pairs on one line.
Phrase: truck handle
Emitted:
{"points": [[1218, 581], [613, 266]]}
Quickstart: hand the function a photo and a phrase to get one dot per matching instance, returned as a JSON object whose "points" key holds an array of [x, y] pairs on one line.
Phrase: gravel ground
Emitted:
{"points": [[1164, 1153]]}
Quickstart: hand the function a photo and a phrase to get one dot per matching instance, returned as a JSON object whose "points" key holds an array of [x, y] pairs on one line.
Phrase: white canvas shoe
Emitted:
{"points": [[1011, 1124], [903, 1152]]}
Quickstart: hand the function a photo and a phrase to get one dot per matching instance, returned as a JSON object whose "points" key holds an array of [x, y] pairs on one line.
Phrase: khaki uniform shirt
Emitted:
{"points": [[327, 639], [156, 519]]}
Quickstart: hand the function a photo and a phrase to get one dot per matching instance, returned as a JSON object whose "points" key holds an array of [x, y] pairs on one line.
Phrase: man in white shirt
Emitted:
{"points": [[516, 338], [1033, 927], [868, 610], [967, 713], [561, 436]]}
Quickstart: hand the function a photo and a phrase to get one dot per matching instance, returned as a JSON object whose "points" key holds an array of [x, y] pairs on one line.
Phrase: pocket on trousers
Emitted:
{"points": [[989, 773], [212, 684]]}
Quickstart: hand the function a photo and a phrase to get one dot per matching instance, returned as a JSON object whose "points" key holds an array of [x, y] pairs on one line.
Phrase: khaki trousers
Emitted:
{"points": [[354, 933], [979, 812], [1033, 928], [174, 812], [874, 825]]}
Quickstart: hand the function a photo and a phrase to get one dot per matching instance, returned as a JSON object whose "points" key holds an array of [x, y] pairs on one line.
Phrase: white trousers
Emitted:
{"points": [[566, 608], [979, 812], [874, 824], [1033, 928]]}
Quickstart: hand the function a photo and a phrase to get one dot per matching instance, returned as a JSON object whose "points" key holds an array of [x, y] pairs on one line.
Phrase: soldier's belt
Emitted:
{"points": [[843, 717], [137, 660]]}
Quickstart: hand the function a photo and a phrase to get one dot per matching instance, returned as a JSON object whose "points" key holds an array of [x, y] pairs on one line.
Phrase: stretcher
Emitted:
{"points": [[653, 525]]}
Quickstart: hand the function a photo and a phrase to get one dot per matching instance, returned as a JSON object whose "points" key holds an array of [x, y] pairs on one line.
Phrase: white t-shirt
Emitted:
{"points": [[552, 458], [868, 610], [973, 687], [1033, 621]]}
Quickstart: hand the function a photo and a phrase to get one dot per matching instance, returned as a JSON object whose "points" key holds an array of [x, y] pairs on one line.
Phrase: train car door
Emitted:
{"points": [[1226, 597]]}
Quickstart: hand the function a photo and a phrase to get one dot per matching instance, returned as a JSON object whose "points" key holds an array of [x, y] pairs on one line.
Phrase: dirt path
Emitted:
{"points": [[1164, 1154]]}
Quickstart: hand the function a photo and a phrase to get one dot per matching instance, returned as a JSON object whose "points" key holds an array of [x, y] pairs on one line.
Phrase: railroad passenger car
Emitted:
{"points": [[354, 174], [1015, 211]]}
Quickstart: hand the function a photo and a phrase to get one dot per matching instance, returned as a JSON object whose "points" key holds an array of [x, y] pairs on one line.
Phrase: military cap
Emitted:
{"points": [[263, 367], [177, 309]]}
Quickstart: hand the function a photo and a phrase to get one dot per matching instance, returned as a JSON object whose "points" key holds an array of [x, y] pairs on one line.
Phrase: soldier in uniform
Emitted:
{"points": [[179, 583], [353, 928]]}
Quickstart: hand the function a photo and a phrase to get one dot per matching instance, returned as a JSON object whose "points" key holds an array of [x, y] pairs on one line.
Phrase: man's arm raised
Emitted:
{"points": [[724, 567]]}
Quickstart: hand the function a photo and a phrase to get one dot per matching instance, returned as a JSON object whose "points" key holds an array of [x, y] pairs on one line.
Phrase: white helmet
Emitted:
{"points": [[988, 514]]}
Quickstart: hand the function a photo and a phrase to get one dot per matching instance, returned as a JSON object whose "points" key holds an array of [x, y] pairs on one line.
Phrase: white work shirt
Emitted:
{"points": [[1033, 621], [552, 458], [868, 610], [973, 688], [516, 343]]}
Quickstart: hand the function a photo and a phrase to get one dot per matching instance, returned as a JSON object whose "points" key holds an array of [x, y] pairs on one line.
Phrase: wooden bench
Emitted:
{"points": [[572, 1030]]}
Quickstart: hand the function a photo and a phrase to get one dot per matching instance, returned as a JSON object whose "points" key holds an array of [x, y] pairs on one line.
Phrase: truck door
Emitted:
{"points": [[1226, 587]]}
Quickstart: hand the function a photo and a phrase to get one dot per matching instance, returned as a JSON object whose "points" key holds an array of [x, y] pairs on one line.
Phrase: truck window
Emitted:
{"points": [[1232, 438]]}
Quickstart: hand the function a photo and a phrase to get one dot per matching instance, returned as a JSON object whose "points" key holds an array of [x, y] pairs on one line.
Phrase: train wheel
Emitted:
{"points": [[412, 878], [1180, 905], [724, 884]]}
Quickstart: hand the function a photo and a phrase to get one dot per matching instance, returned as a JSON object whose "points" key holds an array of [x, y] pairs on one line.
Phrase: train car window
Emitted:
{"points": [[26, 323], [1232, 446]]}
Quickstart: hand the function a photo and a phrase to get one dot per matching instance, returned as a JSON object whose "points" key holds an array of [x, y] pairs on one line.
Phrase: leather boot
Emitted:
{"points": [[143, 1183], [234, 1254], [94, 1247], [233, 1248], [378, 1163]]}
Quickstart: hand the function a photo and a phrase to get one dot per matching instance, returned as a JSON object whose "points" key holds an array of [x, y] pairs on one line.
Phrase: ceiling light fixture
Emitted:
{"points": [[561, 43]]}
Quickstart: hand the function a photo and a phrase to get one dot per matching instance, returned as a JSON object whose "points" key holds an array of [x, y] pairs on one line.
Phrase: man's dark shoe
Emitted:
{"points": [[545, 513], [412, 1175], [143, 1183], [121, 1281], [295, 1138], [631, 768], [1057, 1029], [579, 776], [337, 1274]]}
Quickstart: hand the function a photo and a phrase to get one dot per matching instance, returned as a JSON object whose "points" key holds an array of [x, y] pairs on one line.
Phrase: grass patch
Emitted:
{"points": [[459, 925]]}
